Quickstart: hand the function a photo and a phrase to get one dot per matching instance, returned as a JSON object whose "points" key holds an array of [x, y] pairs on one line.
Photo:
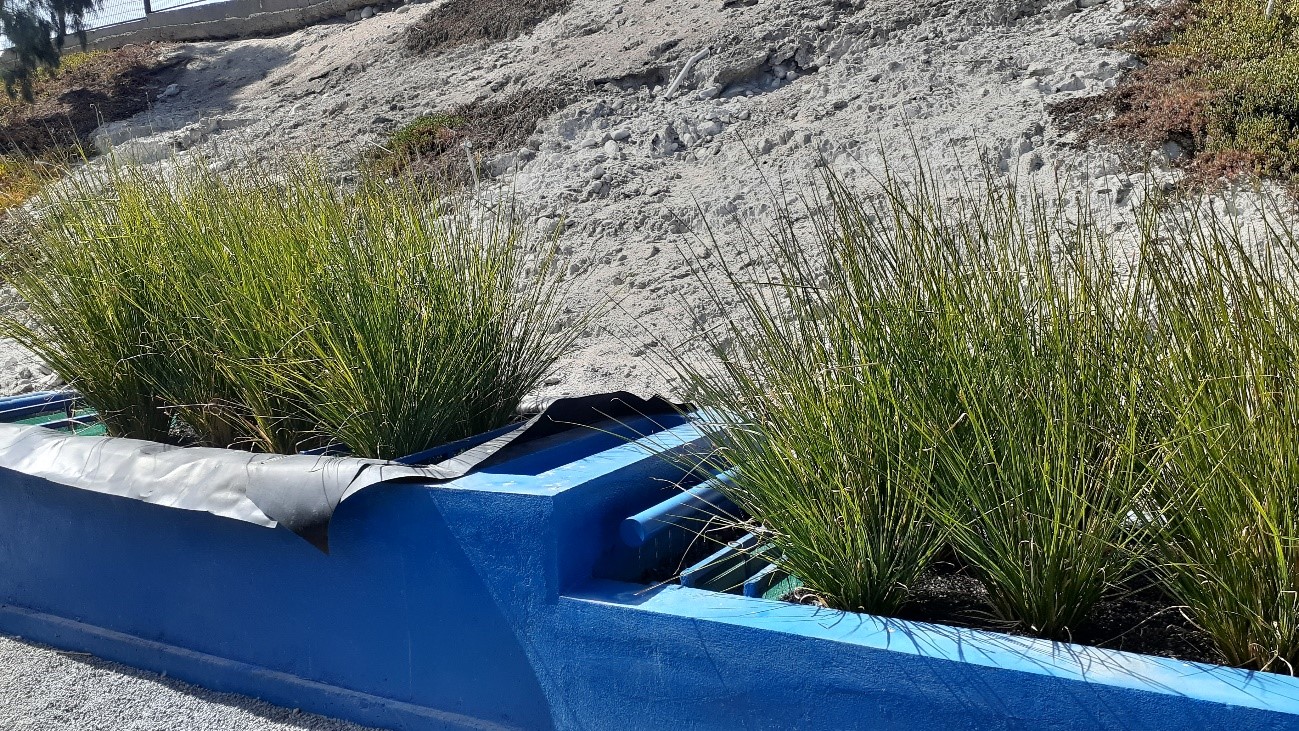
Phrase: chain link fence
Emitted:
{"points": [[114, 12]]}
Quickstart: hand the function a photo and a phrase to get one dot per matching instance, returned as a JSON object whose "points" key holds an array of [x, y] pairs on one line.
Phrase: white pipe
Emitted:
{"points": [[685, 70]]}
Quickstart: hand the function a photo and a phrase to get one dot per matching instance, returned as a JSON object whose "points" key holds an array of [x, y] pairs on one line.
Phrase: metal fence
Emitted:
{"points": [[112, 12]]}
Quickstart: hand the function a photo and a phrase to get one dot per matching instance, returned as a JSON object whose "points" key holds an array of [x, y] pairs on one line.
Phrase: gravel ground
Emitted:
{"points": [[42, 689]]}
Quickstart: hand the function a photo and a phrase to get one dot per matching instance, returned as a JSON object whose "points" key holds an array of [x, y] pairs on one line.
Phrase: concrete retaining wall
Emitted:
{"points": [[229, 19], [495, 602]]}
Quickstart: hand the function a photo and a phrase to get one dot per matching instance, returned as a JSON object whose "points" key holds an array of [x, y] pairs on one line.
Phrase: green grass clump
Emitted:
{"points": [[427, 136], [922, 371], [809, 391], [92, 316], [1041, 340], [20, 179], [268, 309], [1227, 533]]}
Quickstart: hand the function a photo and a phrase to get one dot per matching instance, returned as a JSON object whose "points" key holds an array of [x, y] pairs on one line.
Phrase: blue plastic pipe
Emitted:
{"points": [[30, 404], [698, 503]]}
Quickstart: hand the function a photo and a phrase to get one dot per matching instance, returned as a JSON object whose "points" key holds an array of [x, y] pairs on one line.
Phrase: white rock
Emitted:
{"points": [[611, 148], [1072, 84], [142, 152], [620, 135], [710, 128], [596, 172], [367, 12], [170, 91]]}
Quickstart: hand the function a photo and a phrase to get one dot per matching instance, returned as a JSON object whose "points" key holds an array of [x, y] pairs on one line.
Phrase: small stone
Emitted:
{"points": [[170, 91], [367, 12], [620, 135], [611, 148], [710, 129], [596, 173]]}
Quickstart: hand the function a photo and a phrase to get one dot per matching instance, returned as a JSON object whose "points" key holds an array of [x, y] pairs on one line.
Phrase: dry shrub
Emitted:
{"points": [[471, 21], [432, 147]]}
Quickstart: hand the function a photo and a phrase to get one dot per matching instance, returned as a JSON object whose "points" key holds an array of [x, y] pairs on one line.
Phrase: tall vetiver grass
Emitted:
{"points": [[928, 369], [1042, 337], [434, 323], [806, 392], [268, 308], [1227, 529]]}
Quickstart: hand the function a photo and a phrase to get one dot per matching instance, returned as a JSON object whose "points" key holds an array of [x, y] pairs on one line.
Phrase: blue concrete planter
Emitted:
{"points": [[507, 599]]}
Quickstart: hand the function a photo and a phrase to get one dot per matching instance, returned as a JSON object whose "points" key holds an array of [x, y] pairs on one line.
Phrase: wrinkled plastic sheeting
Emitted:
{"points": [[298, 492]]}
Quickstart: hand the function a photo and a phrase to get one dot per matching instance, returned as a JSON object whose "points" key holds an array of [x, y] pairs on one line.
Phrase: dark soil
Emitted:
{"points": [[1140, 619], [103, 87], [476, 21]]}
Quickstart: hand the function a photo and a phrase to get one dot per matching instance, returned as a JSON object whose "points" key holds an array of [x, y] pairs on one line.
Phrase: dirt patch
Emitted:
{"points": [[90, 89], [1136, 618], [472, 21], [432, 147]]}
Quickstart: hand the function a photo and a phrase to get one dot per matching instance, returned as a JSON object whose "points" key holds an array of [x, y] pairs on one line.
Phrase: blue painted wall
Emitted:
{"points": [[493, 602]]}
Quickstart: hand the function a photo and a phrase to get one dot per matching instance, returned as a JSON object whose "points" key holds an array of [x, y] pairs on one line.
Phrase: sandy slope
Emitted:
{"points": [[783, 85]]}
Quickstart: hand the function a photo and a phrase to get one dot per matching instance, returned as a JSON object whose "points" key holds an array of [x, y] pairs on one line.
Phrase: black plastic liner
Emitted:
{"points": [[298, 492]]}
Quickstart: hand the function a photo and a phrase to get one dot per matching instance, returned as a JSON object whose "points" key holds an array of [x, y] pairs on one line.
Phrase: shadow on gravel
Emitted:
{"points": [[279, 719]]}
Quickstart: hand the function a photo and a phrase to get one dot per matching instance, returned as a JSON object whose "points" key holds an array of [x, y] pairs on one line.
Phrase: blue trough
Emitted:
{"points": [[509, 599]]}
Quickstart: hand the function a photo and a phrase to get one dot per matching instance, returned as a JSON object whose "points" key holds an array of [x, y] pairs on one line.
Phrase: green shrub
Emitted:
{"points": [[430, 135], [1251, 61]]}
